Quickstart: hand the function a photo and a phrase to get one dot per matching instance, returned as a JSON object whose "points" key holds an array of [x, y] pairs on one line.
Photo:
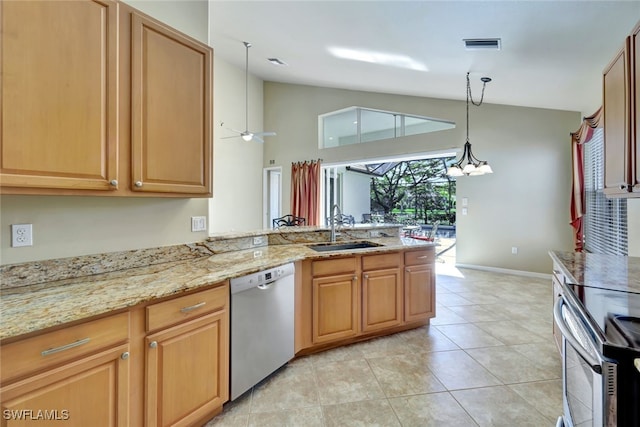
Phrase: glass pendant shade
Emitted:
{"points": [[247, 136], [454, 171]]}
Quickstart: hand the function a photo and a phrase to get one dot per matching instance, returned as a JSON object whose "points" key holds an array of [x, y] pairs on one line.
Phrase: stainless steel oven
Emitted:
{"points": [[600, 356], [589, 380]]}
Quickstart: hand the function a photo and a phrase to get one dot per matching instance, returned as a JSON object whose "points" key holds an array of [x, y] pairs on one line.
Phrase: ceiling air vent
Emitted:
{"points": [[476, 44]]}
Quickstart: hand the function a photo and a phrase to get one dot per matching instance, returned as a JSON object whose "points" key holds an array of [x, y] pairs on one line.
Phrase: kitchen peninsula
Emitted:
{"points": [[131, 302]]}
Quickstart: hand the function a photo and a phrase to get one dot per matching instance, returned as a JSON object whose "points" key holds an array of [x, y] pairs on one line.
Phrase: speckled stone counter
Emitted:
{"points": [[26, 309], [600, 271]]}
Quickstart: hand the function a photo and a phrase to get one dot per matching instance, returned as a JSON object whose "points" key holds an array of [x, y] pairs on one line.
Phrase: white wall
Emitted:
{"points": [[70, 226], [525, 203]]}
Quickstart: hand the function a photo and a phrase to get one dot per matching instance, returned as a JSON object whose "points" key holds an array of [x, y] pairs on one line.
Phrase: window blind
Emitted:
{"points": [[605, 220]]}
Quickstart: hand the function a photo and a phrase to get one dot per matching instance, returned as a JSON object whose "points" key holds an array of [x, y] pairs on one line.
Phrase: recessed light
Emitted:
{"points": [[276, 61]]}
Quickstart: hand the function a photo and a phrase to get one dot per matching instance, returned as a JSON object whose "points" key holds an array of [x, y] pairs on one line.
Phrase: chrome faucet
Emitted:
{"points": [[334, 218]]}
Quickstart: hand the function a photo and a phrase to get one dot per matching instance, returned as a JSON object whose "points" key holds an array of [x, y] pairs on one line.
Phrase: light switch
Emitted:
{"points": [[465, 201], [464, 211]]}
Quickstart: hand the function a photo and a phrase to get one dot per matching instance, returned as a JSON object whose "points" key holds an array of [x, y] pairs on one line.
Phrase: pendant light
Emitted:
{"points": [[473, 165]]}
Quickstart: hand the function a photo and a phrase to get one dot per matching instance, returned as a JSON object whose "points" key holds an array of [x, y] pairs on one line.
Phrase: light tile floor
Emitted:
{"points": [[487, 359]]}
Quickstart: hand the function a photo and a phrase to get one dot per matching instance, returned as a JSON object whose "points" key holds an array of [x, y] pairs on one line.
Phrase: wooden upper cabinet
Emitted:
{"points": [[171, 110], [617, 129], [59, 94], [635, 48]]}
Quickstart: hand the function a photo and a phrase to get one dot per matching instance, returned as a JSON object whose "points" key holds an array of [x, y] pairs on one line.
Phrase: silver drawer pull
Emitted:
{"points": [[423, 257], [65, 347], [192, 307]]}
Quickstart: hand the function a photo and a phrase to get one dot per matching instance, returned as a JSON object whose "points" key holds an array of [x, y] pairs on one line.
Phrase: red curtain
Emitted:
{"points": [[578, 139], [305, 191]]}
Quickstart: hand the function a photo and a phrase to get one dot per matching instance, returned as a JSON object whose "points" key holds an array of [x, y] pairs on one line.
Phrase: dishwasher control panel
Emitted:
{"points": [[261, 278]]}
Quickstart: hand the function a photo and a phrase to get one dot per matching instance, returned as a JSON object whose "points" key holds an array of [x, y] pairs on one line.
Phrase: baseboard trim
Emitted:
{"points": [[506, 271]]}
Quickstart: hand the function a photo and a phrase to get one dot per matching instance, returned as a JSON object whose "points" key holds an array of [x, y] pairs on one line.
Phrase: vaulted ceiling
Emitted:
{"points": [[552, 55]]}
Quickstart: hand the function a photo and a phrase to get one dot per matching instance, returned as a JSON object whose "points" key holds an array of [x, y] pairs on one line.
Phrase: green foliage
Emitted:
{"points": [[416, 191]]}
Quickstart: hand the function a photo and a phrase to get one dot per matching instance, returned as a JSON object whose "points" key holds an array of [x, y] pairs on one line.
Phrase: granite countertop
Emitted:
{"points": [[32, 308], [619, 273]]}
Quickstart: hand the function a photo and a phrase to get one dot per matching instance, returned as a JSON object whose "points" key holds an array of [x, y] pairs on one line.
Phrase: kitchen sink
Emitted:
{"points": [[343, 246]]}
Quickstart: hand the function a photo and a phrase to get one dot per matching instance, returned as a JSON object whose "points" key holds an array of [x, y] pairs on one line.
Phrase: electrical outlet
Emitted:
{"points": [[21, 235], [258, 240], [514, 250], [198, 223], [257, 254], [374, 233]]}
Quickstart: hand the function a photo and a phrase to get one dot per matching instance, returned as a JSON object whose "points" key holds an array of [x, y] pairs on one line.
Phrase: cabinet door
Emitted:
{"points": [[59, 94], [93, 391], [381, 299], [419, 292], [635, 46], [187, 371], [617, 138], [335, 308], [171, 110]]}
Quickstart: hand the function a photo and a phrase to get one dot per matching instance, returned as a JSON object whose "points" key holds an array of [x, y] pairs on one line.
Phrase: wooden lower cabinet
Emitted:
{"points": [[91, 391], [381, 299], [419, 289], [345, 299], [187, 370], [335, 307], [164, 364]]}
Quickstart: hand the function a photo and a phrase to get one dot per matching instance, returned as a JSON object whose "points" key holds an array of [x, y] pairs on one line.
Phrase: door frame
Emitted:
{"points": [[266, 194]]}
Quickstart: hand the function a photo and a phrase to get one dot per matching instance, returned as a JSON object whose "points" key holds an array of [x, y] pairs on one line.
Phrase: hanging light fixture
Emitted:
{"points": [[473, 165]]}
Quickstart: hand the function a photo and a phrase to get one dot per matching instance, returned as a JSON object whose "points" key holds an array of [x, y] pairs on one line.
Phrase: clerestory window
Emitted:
{"points": [[356, 125]]}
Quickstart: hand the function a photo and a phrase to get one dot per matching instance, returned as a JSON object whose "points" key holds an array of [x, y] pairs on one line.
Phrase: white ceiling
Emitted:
{"points": [[553, 52]]}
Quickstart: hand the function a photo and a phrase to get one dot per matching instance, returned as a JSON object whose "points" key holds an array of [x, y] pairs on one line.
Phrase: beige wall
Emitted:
{"points": [[237, 176], [189, 16], [525, 203], [69, 226]]}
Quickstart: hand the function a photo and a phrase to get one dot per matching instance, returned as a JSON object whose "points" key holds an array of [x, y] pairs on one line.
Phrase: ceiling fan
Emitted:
{"points": [[247, 135]]}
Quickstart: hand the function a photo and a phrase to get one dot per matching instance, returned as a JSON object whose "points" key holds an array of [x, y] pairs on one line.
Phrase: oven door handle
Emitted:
{"points": [[596, 365]]}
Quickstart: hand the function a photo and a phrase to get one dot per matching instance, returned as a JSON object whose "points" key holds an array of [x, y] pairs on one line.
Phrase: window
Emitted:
{"points": [[605, 220], [354, 125]]}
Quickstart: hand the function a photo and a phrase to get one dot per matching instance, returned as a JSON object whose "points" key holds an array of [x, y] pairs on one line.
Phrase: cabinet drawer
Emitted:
{"points": [[333, 266], [49, 349], [178, 309], [419, 257], [377, 262]]}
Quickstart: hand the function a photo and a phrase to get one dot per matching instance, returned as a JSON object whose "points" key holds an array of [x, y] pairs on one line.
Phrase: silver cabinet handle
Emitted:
{"points": [[65, 347], [423, 257], [408, 270], [153, 344], [138, 184], [125, 355], [355, 278], [366, 276], [192, 307], [114, 182]]}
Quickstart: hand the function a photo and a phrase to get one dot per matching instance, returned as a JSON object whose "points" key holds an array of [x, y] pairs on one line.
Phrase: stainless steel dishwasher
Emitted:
{"points": [[262, 325]]}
